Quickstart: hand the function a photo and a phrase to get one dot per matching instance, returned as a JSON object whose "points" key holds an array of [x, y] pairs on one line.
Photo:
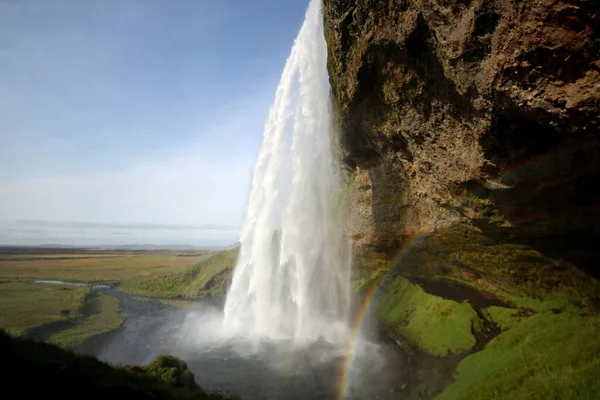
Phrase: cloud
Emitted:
{"points": [[101, 225]]}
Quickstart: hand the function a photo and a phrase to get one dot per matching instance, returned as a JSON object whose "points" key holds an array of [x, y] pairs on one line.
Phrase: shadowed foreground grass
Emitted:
{"points": [[208, 278], [41, 370]]}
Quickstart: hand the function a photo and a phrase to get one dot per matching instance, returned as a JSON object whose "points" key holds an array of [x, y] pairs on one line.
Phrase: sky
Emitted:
{"points": [[135, 121]]}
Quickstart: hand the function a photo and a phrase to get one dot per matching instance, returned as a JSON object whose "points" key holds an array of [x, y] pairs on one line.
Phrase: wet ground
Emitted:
{"points": [[250, 368]]}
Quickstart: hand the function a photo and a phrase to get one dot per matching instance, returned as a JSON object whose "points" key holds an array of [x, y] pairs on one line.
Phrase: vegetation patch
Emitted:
{"points": [[545, 356], [178, 303], [515, 271], [105, 317], [24, 305], [168, 369], [208, 278], [43, 370], [94, 267], [437, 326], [505, 318], [368, 271]]}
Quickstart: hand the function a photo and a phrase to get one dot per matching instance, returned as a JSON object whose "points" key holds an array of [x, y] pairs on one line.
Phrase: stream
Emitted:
{"points": [[253, 369]]}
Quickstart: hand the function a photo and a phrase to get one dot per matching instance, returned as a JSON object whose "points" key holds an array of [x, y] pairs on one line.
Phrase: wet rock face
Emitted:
{"points": [[446, 105]]}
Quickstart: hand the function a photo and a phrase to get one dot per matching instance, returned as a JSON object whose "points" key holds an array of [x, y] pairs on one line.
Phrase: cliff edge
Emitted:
{"points": [[469, 131]]}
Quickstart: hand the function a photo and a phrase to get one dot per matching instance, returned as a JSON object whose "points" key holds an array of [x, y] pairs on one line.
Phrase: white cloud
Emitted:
{"points": [[203, 183]]}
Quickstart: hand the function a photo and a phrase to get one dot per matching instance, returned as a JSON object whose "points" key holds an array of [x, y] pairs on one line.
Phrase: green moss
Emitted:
{"points": [[504, 317], [437, 326], [515, 271], [369, 268], [545, 356], [528, 303]]}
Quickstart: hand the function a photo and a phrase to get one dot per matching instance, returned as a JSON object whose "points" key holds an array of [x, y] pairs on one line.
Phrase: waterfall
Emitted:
{"points": [[292, 276]]}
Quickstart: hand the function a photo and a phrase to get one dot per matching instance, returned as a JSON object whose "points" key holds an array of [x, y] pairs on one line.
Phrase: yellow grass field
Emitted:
{"points": [[94, 267]]}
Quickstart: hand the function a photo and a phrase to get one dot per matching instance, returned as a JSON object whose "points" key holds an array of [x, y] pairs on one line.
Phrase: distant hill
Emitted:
{"points": [[62, 249]]}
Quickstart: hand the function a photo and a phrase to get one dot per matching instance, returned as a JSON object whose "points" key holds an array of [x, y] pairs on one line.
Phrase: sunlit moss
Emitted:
{"points": [[545, 356], [437, 326]]}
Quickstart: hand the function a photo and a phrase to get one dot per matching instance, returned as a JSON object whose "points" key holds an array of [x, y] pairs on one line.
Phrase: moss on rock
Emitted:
{"points": [[437, 326], [538, 358]]}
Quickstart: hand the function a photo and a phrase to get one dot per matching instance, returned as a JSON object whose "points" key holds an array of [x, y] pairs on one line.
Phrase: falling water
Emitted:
{"points": [[292, 275]]}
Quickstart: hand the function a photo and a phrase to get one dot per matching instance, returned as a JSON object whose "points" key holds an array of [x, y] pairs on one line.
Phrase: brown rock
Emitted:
{"points": [[447, 105]]}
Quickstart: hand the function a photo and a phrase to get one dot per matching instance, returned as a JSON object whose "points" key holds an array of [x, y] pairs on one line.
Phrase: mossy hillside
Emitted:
{"points": [[369, 269], [544, 356], [42, 370], [516, 271], [437, 326], [208, 278]]}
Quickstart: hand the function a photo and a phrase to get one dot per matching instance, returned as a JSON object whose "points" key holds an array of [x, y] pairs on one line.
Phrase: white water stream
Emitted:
{"points": [[293, 273]]}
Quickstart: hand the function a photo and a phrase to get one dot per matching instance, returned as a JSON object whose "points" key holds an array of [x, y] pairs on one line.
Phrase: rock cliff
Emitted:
{"points": [[482, 111], [469, 130]]}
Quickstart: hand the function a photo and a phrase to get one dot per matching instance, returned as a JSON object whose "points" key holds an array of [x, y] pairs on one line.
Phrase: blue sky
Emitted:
{"points": [[134, 121]]}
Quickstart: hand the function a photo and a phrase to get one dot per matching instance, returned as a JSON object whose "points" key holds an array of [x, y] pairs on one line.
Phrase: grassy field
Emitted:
{"points": [[207, 278], [67, 315], [179, 303], [24, 305], [95, 267]]}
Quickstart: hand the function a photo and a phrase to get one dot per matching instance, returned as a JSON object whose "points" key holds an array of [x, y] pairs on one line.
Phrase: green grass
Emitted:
{"points": [[178, 303], [106, 316], [528, 303], [518, 272], [94, 267], [545, 356], [437, 326], [207, 278], [24, 305], [42, 370], [505, 318]]}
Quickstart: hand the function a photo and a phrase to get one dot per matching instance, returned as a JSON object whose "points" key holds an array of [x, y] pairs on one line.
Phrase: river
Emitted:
{"points": [[252, 369]]}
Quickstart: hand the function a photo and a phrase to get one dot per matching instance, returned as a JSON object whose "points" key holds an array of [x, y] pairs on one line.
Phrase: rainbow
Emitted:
{"points": [[343, 381], [356, 328], [535, 161]]}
